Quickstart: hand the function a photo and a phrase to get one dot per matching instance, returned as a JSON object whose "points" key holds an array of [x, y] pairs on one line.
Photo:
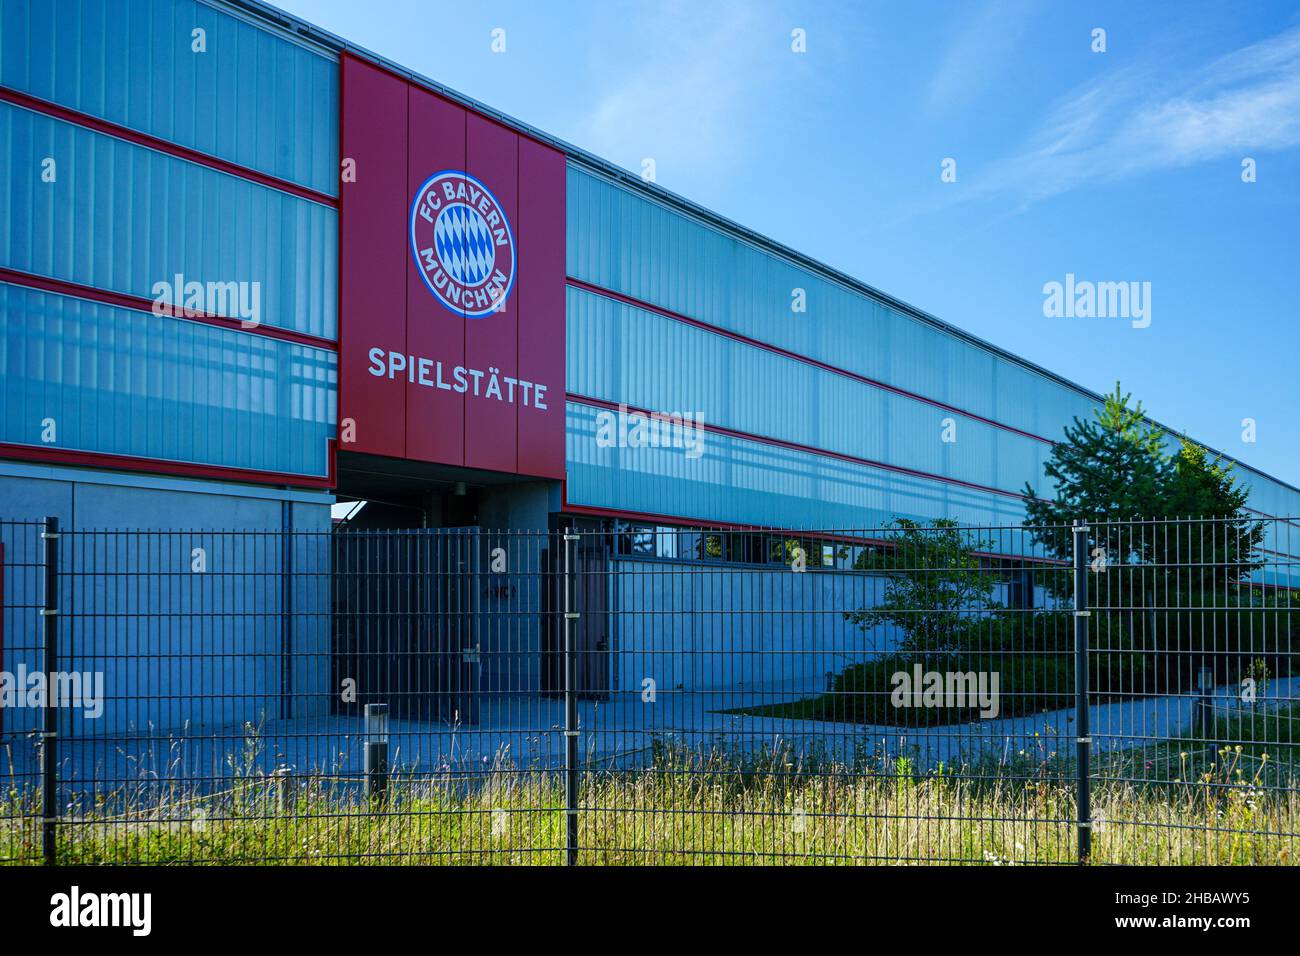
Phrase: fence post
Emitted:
{"points": [[286, 609], [1083, 738], [50, 736], [570, 708]]}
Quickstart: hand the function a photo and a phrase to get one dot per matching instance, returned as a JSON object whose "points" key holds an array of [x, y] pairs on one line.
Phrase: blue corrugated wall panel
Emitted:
{"points": [[745, 482], [624, 354], [124, 382], [252, 98], [633, 245], [630, 244], [122, 217]]}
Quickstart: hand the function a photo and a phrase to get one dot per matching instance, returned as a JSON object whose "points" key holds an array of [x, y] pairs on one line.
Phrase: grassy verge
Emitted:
{"points": [[1241, 750], [1033, 655], [864, 693], [689, 810]]}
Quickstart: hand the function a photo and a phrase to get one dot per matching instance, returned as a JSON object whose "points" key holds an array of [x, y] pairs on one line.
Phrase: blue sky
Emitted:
{"points": [[1117, 166]]}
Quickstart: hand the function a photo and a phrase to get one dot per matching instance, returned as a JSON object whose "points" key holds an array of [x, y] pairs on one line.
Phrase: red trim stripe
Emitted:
{"points": [[37, 105], [729, 526], [641, 516], [824, 366], [808, 449], [139, 304], [1265, 514], [158, 466], [777, 350], [652, 518], [1280, 554]]}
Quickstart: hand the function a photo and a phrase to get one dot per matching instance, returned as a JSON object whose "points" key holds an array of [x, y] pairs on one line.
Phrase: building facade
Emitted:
{"points": [[249, 270], [195, 152]]}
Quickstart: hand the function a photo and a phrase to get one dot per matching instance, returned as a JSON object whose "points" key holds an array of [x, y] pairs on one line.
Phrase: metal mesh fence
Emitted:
{"points": [[1117, 692]]}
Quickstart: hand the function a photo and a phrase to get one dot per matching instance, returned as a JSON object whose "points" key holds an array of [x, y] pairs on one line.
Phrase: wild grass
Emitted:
{"points": [[686, 808]]}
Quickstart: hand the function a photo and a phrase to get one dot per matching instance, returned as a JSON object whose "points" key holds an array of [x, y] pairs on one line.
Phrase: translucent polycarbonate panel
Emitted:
{"points": [[631, 244], [623, 354], [79, 375], [249, 96], [1267, 496], [123, 218], [751, 483]]}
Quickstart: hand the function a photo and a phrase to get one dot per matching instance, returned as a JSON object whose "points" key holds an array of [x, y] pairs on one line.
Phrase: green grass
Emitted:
{"points": [[1033, 654], [692, 809], [863, 693], [1241, 749]]}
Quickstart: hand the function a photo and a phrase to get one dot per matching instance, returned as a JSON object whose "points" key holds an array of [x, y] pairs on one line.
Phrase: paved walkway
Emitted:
{"points": [[623, 732]]}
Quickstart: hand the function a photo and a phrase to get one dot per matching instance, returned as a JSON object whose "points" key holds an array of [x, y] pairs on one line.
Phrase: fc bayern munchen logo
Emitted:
{"points": [[462, 243]]}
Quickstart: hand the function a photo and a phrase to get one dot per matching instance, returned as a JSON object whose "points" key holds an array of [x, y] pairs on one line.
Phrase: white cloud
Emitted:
{"points": [[1136, 121], [984, 45], [674, 101]]}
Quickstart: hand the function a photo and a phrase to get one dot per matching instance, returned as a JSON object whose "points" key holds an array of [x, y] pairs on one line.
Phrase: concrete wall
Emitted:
{"points": [[177, 646], [744, 628], [694, 627], [509, 623]]}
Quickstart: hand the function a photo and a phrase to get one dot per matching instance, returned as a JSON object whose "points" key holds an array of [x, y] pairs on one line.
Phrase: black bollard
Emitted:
{"points": [[376, 753]]}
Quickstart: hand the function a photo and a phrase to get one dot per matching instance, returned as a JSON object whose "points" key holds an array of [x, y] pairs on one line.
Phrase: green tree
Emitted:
{"points": [[937, 588], [1115, 473], [1113, 469], [1167, 537], [1219, 544]]}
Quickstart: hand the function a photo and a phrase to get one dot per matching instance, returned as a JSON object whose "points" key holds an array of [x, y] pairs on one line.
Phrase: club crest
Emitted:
{"points": [[463, 244]]}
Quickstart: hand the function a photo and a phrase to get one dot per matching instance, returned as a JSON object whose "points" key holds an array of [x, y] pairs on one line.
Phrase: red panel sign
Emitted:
{"points": [[372, 258], [492, 342], [435, 332], [452, 283], [542, 344]]}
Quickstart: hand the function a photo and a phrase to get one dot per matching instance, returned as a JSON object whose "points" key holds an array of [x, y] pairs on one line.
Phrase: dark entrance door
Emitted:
{"points": [[406, 623], [592, 631]]}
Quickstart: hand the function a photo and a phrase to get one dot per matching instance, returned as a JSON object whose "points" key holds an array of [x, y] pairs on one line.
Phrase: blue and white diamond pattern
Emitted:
{"points": [[464, 244]]}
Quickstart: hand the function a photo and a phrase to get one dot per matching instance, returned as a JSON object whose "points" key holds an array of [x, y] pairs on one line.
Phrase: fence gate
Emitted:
{"points": [[406, 627]]}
